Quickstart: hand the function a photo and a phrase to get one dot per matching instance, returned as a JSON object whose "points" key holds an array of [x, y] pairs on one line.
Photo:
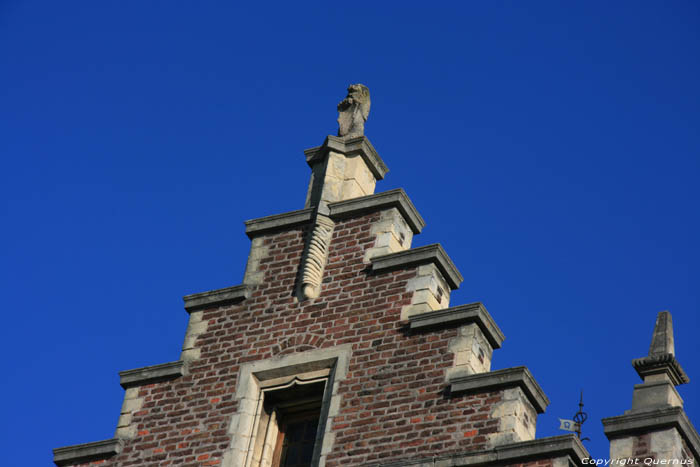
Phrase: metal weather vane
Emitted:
{"points": [[579, 419]]}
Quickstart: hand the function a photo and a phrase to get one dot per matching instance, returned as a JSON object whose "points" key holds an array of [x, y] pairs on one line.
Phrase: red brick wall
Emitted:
{"points": [[393, 402]]}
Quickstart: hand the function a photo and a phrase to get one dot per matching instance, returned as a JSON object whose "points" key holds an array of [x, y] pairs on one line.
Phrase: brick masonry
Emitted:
{"points": [[393, 403]]}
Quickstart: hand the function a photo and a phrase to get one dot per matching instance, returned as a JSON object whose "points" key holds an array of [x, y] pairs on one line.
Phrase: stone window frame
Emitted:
{"points": [[255, 377]]}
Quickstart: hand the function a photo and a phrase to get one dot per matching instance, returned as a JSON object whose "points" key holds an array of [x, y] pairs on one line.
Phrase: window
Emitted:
{"points": [[285, 408], [298, 410], [290, 411]]}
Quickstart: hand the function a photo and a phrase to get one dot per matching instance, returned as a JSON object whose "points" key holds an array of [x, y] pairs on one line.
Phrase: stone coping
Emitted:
{"points": [[518, 376], [79, 453], [422, 255], [652, 420], [457, 315], [267, 224], [389, 199], [350, 147], [151, 374], [515, 453], [216, 297]]}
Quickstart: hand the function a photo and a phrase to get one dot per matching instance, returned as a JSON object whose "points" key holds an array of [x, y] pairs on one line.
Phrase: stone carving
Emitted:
{"points": [[316, 256], [353, 111]]}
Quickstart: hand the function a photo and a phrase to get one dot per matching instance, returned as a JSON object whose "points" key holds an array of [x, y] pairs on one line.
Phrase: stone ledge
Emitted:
{"points": [[661, 364], [151, 374], [216, 297], [80, 453], [516, 453], [389, 199], [470, 313], [267, 224], [518, 376], [350, 147], [652, 420], [423, 255]]}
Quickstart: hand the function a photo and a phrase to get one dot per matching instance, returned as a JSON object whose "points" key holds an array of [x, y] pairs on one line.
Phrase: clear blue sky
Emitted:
{"points": [[552, 148]]}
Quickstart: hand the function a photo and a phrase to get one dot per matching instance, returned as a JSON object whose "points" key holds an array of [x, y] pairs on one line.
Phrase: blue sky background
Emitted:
{"points": [[552, 148]]}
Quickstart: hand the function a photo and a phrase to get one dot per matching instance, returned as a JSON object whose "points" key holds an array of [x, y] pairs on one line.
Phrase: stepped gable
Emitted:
{"points": [[339, 347]]}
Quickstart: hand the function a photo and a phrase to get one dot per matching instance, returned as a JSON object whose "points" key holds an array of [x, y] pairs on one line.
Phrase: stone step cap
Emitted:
{"points": [[422, 255]]}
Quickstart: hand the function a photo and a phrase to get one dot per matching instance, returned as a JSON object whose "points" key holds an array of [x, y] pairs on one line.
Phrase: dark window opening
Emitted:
{"points": [[297, 410]]}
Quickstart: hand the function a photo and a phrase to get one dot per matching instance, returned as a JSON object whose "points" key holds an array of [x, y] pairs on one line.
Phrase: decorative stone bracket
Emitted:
{"points": [[316, 255]]}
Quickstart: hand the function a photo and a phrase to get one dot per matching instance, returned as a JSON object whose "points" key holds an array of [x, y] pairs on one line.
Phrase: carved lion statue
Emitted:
{"points": [[353, 111]]}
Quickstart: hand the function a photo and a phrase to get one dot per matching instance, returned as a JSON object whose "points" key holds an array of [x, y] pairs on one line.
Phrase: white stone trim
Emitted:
{"points": [[430, 292], [132, 404], [472, 352], [253, 275], [392, 234], [195, 327], [517, 419]]}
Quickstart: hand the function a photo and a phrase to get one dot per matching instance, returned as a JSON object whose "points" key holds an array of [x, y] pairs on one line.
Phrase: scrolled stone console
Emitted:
{"points": [[316, 256]]}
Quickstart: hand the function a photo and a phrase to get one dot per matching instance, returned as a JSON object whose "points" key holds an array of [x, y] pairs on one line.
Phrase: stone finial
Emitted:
{"points": [[353, 111], [662, 340], [661, 361]]}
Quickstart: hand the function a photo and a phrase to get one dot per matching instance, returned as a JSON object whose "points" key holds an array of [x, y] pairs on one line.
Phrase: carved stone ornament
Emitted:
{"points": [[353, 111], [316, 256]]}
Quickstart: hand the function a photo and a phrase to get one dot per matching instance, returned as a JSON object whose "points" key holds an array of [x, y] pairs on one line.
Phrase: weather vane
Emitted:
{"points": [[579, 419]]}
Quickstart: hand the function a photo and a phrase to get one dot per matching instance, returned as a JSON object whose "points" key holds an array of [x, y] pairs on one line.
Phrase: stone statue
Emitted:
{"points": [[353, 111]]}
